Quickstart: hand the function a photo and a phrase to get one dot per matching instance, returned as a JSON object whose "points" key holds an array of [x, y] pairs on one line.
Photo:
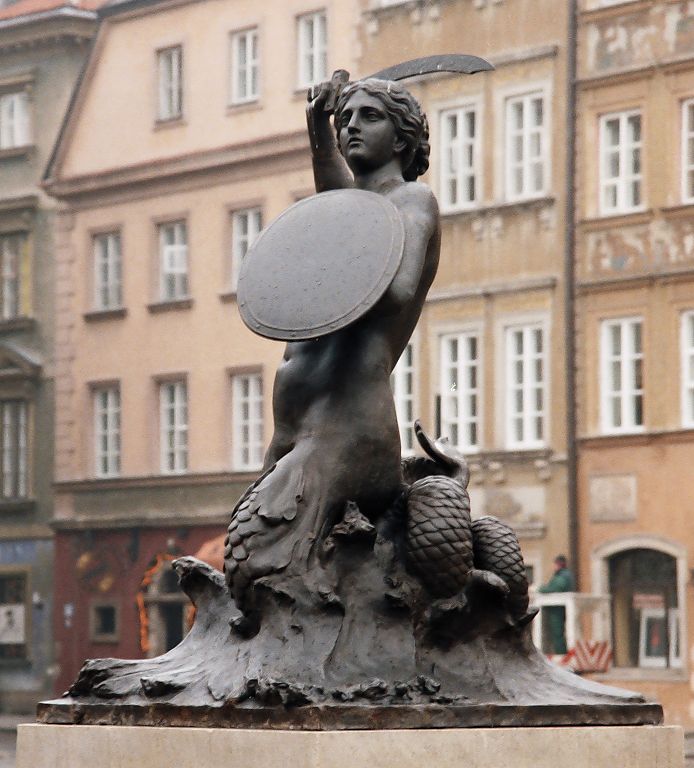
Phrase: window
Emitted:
{"points": [[402, 384], [107, 271], [107, 431], [245, 227], [103, 623], [14, 120], [620, 162], [688, 151], [173, 426], [459, 158], [312, 53], [173, 252], [687, 367], [646, 628], [170, 82], [526, 150], [460, 389], [14, 449], [245, 83], [13, 601], [13, 250], [247, 437], [621, 384], [525, 386]]}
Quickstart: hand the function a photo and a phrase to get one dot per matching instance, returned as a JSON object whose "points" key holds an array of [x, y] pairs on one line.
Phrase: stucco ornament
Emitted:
{"points": [[357, 592]]}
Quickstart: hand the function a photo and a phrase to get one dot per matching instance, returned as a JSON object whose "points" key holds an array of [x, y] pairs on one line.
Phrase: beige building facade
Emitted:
{"points": [[635, 297], [186, 136], [488, 353]]}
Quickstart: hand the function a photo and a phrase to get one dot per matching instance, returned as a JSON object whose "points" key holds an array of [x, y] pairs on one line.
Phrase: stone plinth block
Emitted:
{"points": [[84, 746]]}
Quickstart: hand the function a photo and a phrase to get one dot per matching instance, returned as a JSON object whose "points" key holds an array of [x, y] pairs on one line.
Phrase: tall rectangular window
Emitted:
{"points": [[245, 227], [245, 66], [688, 151], [170, 82], [173, 260], [15, 476], [12, 249], [687, 368], [620, 162], [107, 270], [526, 146], [106, 402], [312, 33], [460, 389], [173, 427], [525, 386], [621, 375], [459, 158], [402, 384], [14, 120], [14, 594], [247, 432]]}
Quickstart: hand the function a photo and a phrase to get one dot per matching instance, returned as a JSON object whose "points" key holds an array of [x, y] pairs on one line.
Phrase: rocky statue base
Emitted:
{"points": [[359, 666], [40, 746]]}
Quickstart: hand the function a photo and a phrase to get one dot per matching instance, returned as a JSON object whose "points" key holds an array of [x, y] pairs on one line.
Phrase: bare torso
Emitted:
{"points": [[335, 390]]}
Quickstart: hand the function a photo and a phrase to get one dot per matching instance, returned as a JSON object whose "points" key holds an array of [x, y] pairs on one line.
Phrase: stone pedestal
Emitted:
{"points": [[84, 746]]}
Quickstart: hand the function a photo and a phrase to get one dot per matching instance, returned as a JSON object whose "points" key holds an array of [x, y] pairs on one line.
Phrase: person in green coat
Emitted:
{"points": [[561, 581]]}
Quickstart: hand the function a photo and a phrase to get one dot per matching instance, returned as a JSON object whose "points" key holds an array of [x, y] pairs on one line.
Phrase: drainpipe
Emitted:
{"points": [[569, 293]]}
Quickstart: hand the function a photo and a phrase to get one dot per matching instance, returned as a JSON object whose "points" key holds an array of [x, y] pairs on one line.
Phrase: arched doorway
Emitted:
{"points": [[646, 578]]}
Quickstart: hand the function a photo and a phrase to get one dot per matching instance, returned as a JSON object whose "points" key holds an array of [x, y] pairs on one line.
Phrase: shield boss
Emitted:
{"points": [[320, 265]]}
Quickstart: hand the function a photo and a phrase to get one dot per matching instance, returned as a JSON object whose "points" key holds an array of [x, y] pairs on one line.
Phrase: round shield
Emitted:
{"points": [[320, 265]]}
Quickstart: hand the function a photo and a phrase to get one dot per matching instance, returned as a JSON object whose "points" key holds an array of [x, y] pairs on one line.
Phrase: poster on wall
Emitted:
{"points": [[12, 631]]}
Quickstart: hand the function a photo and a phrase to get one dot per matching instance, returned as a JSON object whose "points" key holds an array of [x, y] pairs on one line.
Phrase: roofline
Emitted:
{"points": [[55, 13], [114, 9]]}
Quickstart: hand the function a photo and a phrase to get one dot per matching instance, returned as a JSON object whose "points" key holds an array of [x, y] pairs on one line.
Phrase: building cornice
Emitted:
{"points": [[153, 481], [631, 280], [637, 439], [43, 29], [19, 204], [239, 157], [544, 283]]}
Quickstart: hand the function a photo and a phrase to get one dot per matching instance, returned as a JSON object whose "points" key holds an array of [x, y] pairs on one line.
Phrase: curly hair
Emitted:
{"points": [[406, 114]]}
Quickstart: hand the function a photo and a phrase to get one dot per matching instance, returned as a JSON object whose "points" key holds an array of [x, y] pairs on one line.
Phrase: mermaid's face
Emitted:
{"points": [[367, 136]]}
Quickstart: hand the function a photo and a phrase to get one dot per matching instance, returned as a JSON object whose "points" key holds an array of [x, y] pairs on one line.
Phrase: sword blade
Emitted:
{"points": [[461, 63]]}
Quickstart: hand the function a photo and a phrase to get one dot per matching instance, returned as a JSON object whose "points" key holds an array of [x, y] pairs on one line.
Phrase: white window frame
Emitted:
{"points": [[248, 444], [12, 246], [403, 385], [659, 662], [107, 267], [173, 427], [173, 260], [622, 182], [687, 157], [529, 158], [244, 75], [14, 418], [170, 83], [460, 157], [627, 393], [246, 224], [687, 368], [107, 430], [528, 387], [461, 399], [312, 48], [15, 123]]}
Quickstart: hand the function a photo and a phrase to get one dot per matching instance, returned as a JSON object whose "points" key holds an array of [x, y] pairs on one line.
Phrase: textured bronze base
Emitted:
{"points": [[346, 717]]}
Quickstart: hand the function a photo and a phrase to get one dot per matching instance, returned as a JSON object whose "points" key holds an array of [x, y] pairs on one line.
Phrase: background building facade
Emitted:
{"points": [[635, 297], [487, 358], [42, 49]]}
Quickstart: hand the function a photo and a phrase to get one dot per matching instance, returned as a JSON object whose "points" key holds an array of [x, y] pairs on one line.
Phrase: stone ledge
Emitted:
{"points": [[57, 746]]}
